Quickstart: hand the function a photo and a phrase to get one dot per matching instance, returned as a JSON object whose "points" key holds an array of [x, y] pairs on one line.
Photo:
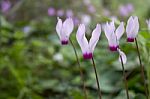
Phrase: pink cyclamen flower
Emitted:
{"points": [[113, 35], [51, 11], [132, 28], [64, 29], [88, 47], [5, 6], [148, 24]]}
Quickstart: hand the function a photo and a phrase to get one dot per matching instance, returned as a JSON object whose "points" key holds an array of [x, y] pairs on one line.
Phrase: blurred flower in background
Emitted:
{"points": [[87, 2], [86, 19], [114, 18], [91, 9], [106, 12], [51, 11], [5, 6], [60, 12], [58, 57], [76, 21], [69, 13], [27, 30], [126, 10]]}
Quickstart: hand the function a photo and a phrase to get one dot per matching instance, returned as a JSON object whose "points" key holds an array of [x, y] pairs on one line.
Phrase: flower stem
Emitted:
{"points": [[142, 69], [81, 72], [124, 76], [99, 90]]}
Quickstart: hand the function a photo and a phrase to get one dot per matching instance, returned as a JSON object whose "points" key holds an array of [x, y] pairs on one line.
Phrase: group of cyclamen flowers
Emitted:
{"points": [[113, 34]]}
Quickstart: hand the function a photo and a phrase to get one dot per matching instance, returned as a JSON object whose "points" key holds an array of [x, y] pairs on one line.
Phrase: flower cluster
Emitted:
{"points": [[113, 34]]}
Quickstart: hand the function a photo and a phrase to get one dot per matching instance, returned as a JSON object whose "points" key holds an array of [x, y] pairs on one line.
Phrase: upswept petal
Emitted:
{"points": [[120, 31], [130, 25], [81, 38], [59, 27], [112, 26], [68, 26], [136, 26], [122, 56], [95, 37], [107, 31]]}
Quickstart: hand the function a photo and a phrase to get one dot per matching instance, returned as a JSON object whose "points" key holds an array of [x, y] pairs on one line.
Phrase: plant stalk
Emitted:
{"points": [[96, 75], [124, 76], [142, 69], [80, 69]]}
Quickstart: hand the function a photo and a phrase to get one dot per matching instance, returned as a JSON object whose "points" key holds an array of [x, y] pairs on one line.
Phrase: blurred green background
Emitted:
{"points": [[34, 65]]}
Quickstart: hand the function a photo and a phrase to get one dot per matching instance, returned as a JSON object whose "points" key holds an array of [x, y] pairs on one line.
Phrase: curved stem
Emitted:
{"points": [[124, 76], [99, 90], [142, 69], [81, 72]]}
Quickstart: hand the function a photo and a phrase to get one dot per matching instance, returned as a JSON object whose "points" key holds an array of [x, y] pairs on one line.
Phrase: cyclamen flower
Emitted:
{"points": [[88, 47], [64, 29], [132, 28], [148, 24], [113, 35]]}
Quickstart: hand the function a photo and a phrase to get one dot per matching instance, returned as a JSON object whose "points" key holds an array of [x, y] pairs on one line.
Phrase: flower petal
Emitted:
{"points": [[120, 31], [95, 37], [59, 27], [107, 31], [68, 26], [113, 40], [80, 36], [122, 56], [129, 27], [112, 26], [136, 26]]}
